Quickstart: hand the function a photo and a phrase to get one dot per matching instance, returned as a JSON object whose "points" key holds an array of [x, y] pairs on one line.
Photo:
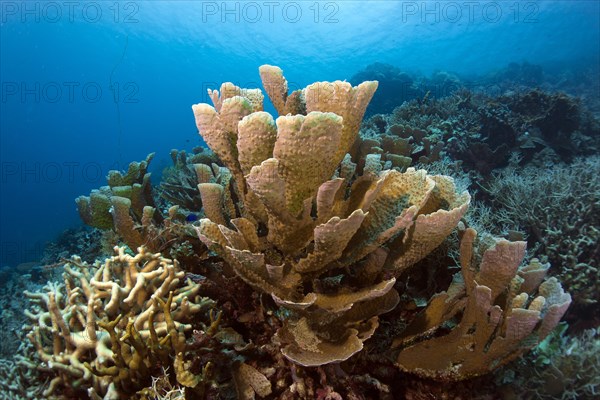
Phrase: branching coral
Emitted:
{"points": [[563, 223], [561, 367], [19, 380], [106, 327]]}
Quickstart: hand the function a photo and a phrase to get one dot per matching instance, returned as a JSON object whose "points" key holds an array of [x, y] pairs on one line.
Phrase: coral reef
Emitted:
{"points": [[397, 86], [12, 303], [90, 243], [484, 132], [328, 250], [526, 74], [580, 79], [128, 207], [561, 367], [562, 225], [304, 253]]}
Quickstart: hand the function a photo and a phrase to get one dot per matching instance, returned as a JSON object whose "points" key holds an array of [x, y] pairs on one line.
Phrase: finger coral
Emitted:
{"points": [[107, 326]]}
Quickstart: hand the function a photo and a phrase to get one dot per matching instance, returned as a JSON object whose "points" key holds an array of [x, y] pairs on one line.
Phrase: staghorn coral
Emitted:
{"points": [[106, 327], [11, 316], [562, 225], [561, 367], [17, 383], [163, 389], [19, 379], [332, 246], [498, 314]]}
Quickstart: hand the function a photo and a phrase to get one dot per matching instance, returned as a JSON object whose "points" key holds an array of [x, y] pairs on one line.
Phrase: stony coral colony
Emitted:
{"points": [[298, 260]]}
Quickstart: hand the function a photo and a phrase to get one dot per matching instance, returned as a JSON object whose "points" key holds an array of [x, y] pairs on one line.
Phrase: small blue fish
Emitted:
{"points": [[191, 217]]}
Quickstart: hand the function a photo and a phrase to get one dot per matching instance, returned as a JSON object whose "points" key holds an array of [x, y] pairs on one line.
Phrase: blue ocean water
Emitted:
{"points": [[90, 86]]}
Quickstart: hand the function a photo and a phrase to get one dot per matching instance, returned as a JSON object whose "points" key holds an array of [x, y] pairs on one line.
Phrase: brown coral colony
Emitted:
{"points": [[311, 213]]}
